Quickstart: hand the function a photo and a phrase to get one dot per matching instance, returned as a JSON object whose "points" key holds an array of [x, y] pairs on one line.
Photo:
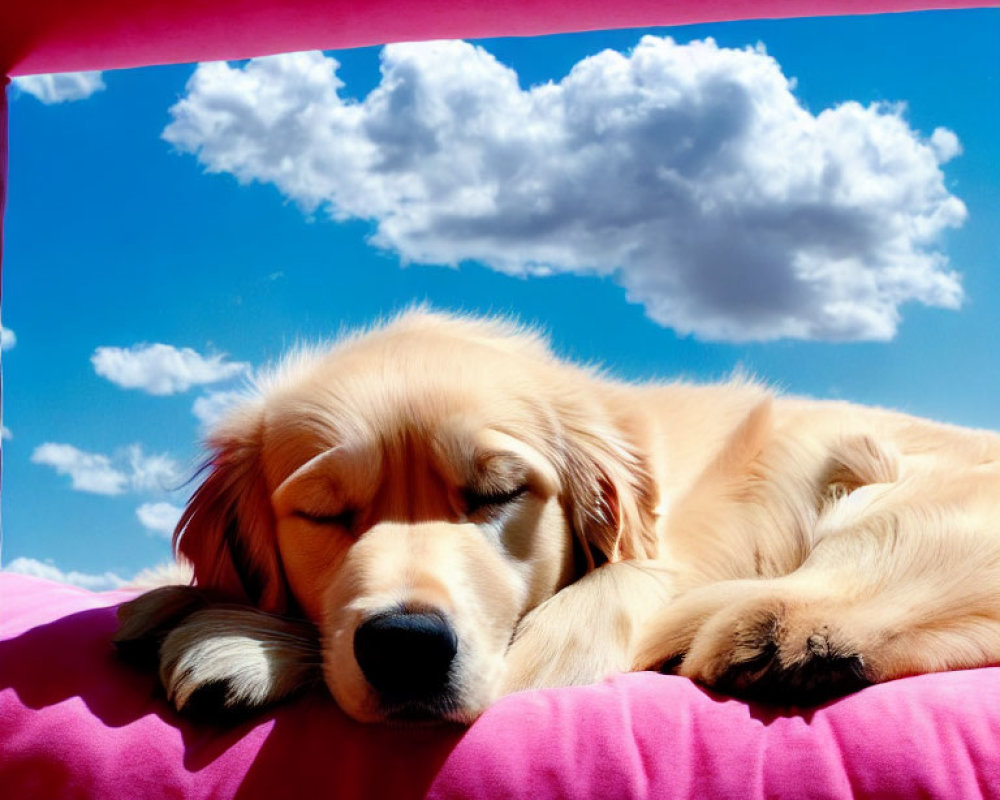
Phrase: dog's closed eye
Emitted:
{"points": [[341, 519], [478, 500]]}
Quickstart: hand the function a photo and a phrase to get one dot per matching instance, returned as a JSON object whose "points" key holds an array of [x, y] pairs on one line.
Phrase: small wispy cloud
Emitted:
{"points": [[7, 339], [157, 472], [48, 571], [88, 472], [210, 408], [162, 369], [160, 518], [61, 87], [96, 473]]}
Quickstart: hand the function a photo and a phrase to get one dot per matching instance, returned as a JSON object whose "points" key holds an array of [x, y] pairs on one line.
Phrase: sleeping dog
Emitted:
{"points": [[439, 511]]}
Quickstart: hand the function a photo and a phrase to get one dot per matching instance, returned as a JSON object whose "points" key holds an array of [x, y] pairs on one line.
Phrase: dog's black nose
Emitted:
{"points": [[406, 655]]}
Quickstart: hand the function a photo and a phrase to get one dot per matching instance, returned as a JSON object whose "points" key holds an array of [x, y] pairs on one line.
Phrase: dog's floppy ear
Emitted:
{"points": [[610, 494], [227, 530]]}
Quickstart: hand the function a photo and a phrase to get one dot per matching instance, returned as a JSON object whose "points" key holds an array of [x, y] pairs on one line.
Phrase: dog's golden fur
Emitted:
{"points": [[567, 526]]}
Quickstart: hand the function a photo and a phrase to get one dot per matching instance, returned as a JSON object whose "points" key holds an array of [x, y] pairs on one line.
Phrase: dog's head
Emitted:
{"points": [[414, 491]]}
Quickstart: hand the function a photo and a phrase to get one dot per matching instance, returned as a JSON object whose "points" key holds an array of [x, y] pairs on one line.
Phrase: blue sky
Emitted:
{"points": [[230, 216]]}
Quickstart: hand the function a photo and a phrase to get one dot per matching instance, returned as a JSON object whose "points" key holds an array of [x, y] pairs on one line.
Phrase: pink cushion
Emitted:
{"points": [[653, 736], [74, 722]]}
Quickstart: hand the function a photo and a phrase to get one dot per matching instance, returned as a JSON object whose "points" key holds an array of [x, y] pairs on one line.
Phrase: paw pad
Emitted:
{"points": [[786, 671]]}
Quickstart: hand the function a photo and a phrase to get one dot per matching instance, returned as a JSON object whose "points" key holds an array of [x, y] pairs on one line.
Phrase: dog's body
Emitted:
{"points": [[460, 514]]}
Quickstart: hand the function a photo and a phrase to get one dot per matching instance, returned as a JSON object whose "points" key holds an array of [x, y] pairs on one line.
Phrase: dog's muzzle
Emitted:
{"points": [[407, 657]]}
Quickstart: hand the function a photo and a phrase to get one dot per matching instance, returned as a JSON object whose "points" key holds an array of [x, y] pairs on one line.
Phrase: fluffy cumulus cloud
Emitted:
{"points": [[7, 338], [160, 518], [96, 473], [48, 571], [61, 87], [162, 369], [690, 173]]}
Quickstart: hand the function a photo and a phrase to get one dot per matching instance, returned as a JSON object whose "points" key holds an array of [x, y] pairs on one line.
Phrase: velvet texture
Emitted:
{"points": [[76, 722]]}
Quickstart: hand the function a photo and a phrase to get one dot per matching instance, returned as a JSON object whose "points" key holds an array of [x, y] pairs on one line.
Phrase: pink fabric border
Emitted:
{"points": [[40, 36], [4, 82]]}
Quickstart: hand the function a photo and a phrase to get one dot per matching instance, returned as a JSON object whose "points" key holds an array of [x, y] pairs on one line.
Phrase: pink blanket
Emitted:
{"points": [[74, 722]]}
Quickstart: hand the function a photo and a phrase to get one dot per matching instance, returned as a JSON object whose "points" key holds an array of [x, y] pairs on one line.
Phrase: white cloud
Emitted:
{"points": [[945, 144], [161, 369], [97, 473], [61, 87], [48, 571], [5, 433], [89, 472], [212, 407], [7, 339], [160, 518], [157, 472], [690, 173]]}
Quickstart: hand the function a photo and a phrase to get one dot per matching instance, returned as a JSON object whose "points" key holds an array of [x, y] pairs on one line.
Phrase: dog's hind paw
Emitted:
{"points": [[776, 651]]}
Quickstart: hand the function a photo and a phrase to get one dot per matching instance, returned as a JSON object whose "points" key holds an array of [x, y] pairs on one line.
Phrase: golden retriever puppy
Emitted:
{"points": [[453, 513]]}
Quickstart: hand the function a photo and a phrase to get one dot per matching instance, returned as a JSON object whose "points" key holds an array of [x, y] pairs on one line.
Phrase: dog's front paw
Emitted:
{"points": [[779, 650], [588, 630], [236, 659], [143, 623], [213, 658]]}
